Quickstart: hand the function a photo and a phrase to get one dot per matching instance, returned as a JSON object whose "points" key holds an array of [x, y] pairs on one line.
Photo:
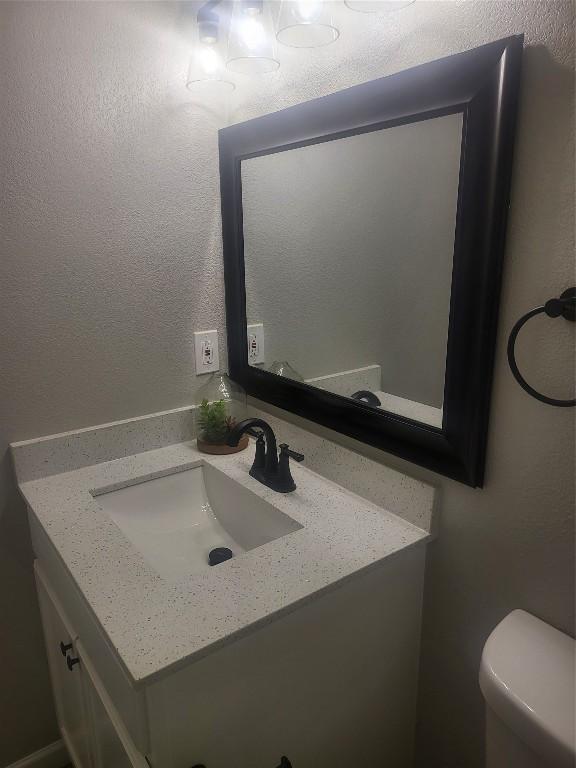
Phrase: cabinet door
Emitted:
{"points": [[67, 685], [112, 746]]}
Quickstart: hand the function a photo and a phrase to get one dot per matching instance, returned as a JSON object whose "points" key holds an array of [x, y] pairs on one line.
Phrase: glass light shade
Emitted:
{"points": [[207, 70], [306, 23], [252, 44], [221, 389], [377, 6]]}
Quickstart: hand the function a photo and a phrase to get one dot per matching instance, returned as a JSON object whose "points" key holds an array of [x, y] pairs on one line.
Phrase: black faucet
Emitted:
{"points": [[267, 468], [366, 397]]}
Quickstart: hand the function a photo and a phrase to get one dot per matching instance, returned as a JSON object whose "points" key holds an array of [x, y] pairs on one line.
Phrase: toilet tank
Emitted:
{"points": [[527, 678]]}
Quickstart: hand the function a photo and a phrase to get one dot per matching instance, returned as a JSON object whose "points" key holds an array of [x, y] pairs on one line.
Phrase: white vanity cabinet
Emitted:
{"points": [[331, 684], [112, 746], [66, 674], [91, 727], [306, 646]]}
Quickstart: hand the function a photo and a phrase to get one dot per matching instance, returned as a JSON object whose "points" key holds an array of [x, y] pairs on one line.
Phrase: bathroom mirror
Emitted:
{"points": [[333, 234], [363, 238]]}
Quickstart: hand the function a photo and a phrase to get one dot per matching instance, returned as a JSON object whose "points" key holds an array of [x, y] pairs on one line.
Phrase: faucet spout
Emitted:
{"points": [[267, 468], [271, 461]]}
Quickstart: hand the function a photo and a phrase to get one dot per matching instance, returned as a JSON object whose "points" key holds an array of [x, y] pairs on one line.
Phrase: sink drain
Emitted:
{"points": [[219, 555]]}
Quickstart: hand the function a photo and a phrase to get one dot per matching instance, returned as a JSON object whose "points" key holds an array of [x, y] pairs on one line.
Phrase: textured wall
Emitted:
{"points": [[335, 233], [110, 258]]}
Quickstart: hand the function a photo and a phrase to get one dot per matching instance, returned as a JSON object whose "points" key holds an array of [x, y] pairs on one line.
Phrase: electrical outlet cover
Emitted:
{"points": [[256, 344], [206, 352]]}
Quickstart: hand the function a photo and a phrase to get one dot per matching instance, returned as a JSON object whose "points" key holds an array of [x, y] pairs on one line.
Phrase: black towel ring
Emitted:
{"points": [[564, 306]]}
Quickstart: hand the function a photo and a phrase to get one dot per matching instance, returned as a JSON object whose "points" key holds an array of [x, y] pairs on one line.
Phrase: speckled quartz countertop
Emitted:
{"points": [[154, 624]]}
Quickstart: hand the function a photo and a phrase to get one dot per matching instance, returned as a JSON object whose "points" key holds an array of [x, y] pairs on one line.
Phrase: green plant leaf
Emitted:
{"points": [[214, 421]]}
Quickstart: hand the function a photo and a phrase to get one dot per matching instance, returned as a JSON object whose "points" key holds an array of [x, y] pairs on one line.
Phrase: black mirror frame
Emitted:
{"points": [[482, 84]]}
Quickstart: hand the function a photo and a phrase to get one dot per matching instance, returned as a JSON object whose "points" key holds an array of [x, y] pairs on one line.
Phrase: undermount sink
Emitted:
{"points": [[176, 520]]}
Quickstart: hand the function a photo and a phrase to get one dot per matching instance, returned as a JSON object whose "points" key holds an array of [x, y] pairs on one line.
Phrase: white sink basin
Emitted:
{"points": [[176, 520]]}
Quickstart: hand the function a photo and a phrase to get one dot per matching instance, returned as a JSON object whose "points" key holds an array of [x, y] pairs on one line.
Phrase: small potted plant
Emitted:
{"points": [[221, 404], [215, 426]]}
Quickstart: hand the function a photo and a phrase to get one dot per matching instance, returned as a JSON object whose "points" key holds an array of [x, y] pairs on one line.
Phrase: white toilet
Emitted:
{"points": [[527, 678]]}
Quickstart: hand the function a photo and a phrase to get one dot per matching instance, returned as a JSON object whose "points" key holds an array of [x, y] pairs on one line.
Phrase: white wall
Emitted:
{"points": [[110, 258]]}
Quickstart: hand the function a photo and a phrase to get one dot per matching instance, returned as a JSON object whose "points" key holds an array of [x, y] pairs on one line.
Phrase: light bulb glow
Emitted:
{"points": [[378, 6], [251, 32], [208, 60], [308, 10]]}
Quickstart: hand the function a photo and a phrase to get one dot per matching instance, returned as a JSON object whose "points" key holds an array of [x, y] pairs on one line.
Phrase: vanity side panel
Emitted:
{"points": [[330, 685], [129, 702]]}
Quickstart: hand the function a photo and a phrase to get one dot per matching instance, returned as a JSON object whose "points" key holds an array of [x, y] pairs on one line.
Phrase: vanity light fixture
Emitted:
{"points": [[208, 23], [246, 43], [306, 24], [251, 47], [207, 71], [377, 6]]}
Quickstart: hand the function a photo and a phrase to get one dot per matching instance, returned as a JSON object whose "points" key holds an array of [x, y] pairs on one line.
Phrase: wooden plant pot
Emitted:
{"points": [[221, 449]]}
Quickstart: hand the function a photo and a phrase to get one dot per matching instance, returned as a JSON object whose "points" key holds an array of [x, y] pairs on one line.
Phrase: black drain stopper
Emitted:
{"points": [[219, 555]]}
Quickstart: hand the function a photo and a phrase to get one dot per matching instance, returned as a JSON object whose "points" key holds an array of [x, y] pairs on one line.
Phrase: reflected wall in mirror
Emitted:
{"points": [[348, 250]]}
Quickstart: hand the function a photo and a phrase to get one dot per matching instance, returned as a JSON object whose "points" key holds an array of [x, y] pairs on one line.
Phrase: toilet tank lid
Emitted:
{"points": [[527, 678]]}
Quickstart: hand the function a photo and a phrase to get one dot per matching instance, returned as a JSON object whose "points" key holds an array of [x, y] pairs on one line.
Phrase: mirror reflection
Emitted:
{"points": [[348, 249]]}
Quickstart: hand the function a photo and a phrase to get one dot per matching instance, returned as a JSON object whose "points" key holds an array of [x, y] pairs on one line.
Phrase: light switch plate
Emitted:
{"points": [[206, 352], [256, 344]]}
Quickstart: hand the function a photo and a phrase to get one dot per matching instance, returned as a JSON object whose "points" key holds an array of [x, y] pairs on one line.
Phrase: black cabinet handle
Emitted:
{"points": [[65, 647], [70, 662]]}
